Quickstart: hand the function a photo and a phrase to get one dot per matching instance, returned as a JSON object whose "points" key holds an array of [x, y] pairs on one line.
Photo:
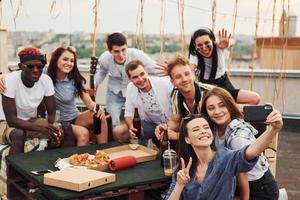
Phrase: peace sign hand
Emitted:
{"points": [[223, 39], [183, 176]]}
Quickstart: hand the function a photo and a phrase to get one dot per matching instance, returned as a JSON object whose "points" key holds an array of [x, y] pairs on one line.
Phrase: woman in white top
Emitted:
{"points": [[208, 57]]}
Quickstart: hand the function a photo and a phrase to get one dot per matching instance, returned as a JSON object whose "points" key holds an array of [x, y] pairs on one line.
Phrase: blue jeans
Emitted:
{"points": [[114, 105]]}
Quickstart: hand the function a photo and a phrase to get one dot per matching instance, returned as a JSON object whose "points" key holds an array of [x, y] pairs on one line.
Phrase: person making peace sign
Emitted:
{"points": [[210, 174]]}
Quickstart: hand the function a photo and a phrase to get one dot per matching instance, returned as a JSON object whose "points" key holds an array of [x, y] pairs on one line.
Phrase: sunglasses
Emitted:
{"points": [[200, 47], [30, 66], [193, 116]]}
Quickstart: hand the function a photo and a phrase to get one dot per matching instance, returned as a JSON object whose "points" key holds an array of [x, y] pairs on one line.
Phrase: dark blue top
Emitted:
{"points": [[219, 181]]}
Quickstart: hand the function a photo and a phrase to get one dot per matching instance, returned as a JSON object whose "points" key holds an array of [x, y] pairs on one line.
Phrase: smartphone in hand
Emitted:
{"points": [[257, 113]]}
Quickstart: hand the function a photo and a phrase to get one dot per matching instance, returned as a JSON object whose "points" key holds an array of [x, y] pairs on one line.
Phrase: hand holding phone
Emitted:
{"points": [[257, 113]]}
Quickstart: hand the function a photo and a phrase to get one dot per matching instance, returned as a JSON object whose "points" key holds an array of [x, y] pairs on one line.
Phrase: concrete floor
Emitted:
{"points": [[288, 159]]}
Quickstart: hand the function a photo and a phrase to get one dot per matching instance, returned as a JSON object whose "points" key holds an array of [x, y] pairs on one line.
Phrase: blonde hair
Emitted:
{"points": [[178, 59]]}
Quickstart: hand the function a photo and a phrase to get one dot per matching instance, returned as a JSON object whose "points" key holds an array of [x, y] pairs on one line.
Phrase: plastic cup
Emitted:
{"points": [[170, 162]]}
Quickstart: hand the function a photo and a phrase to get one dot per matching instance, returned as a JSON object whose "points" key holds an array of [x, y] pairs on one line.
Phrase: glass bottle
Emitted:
{"points": [[97, 122], [137, 123], [59, 135], [110, 137], [57, 123]]}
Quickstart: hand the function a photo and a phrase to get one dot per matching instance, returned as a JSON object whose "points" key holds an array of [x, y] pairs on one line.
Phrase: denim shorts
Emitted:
{"points": [[72, 121], [224, 83]]}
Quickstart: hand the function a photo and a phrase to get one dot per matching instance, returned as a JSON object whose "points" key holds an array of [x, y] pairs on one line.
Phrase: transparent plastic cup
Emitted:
{"points": [[170, 162]]}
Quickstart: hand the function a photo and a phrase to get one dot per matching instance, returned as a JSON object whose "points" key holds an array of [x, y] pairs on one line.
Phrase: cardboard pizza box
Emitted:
{"points": [[141, 153], [78, 179]]}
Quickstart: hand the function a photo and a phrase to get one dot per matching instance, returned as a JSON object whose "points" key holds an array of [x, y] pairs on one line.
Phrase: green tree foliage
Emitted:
{"points": [[242, 50]]}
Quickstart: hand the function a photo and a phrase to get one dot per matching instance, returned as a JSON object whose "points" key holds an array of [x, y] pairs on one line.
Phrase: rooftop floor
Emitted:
{"points": [[288, 159]]}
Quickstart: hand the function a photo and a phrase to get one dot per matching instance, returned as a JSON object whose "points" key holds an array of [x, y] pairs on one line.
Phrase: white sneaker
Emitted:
{"points": [[283, 194]]}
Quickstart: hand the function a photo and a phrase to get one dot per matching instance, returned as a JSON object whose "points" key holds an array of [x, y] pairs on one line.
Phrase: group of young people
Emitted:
{"points": [[194, 97]]}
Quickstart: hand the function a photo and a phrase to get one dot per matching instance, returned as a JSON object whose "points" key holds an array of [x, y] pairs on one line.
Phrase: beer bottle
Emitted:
{"points": [[137, 123], [163, 143], [56, 138], [110, 137], [97, 122]]}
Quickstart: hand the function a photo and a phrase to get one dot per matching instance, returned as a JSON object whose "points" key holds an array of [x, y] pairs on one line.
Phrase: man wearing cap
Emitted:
{"points": [[25, 90]]}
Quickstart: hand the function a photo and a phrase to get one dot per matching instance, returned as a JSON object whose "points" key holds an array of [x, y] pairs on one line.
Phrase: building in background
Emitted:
{"points": [[280, 52]]}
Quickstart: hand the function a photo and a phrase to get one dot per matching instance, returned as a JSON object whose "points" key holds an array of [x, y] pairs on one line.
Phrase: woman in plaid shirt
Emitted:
{"points": [[233, 132]]}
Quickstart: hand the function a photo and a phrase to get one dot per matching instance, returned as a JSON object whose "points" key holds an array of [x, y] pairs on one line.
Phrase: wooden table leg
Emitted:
{"points": [[136, 195], [12, 192]]}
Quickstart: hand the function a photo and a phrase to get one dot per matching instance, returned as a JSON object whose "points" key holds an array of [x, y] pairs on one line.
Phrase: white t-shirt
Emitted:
{"points": [[208, 64], [27, 99]]}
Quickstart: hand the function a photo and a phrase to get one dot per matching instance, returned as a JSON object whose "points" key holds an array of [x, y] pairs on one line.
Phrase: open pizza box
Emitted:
{"points": [[141, 153], [78, 179]]}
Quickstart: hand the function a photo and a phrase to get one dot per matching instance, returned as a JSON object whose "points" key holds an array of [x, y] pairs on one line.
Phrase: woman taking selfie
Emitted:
{"points": [[206, 173], [233, 133]]}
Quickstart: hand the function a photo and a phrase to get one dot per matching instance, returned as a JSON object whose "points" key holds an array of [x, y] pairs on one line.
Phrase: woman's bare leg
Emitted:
{"points": [[81, 134], [248, 97]]}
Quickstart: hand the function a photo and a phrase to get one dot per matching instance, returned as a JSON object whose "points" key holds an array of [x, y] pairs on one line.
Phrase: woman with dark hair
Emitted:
{"points": [[68, 84], [205, 173], [208, 58], [232, 132]]}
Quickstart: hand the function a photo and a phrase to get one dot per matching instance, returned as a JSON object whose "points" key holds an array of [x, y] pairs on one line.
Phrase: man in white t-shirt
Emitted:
{"points": [[150, 95], [25, 90]]}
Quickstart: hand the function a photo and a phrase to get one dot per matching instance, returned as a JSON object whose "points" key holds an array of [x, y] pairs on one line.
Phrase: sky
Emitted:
{"points": [[68, 16]]}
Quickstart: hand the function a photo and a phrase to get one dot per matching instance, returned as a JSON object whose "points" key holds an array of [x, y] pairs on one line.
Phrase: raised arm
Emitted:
{"points": [[224, 38], [161, 69], [274, 121]]}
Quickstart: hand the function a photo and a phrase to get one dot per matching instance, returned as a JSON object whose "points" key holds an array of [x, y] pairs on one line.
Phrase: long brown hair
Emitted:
{"points": [[186, 150], [79, 80], [226, 98]]}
